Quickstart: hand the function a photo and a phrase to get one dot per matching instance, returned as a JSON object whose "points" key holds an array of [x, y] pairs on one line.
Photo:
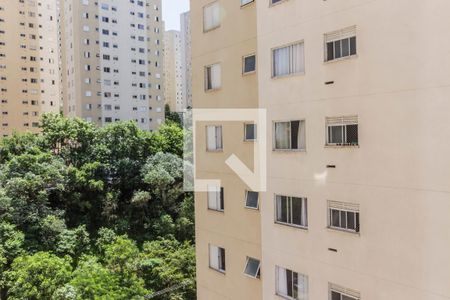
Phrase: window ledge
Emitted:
{"points": [[275, 4], [214, 28], [248, 73], [251, 208], [355, 56], [248, 4], [250, 141], [288, 75], [289, 150], [292, 225], [214, 151], [284, 297], [341, 146], [351, 232], [217, 270], [222, 211], [213, 90]]}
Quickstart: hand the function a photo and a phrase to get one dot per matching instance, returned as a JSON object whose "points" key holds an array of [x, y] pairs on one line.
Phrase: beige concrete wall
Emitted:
{"points": [[29, 87], [237, 229], [398, 85]]}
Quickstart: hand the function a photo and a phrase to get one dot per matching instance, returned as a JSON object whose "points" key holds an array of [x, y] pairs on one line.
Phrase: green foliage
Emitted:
{"points": [[37, 276], [92, 213]]}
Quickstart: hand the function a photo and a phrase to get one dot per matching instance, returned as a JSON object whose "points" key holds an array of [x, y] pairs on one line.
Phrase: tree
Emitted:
{"points": [[37, 276]]}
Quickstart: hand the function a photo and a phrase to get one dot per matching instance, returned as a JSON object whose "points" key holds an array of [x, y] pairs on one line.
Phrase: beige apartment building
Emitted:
{"points": [[113, 61], [228, 228], [173, 70], [29, 68], [357, 204]]}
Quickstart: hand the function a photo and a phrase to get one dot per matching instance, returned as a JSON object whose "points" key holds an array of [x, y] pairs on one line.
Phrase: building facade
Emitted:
{"points": [[186, 58], [357, 203], [228, 231], [113, 61], [29, 64], [173, 70]]}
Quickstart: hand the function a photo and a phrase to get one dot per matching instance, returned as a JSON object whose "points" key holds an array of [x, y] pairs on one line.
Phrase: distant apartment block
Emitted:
{"points": [[186, 58], [29, 64], [357, 204], [113, 61], [173, 70]]}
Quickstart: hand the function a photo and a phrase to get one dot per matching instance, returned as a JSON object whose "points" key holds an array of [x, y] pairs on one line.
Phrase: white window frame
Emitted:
{"points": [[218, 147], [272, 55], [339, 36], [219, 198], [343, 292], [341, 122], [304, 277], [246, 197], [214, 25], [219, 268], [213, 88], [345, 207], [258, 274], [255, 132], [274, 146], [246, 2], [243, 64], [290, 212]]}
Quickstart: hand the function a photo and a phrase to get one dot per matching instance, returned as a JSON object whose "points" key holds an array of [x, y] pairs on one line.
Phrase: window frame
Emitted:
{"points": [[243, 64], [258, 272], [290, 136], [272, 59], [203, 16], [356, 217], [271, 3], [212, 89], [299, 275], [246, 197], [246, 4], [342, 291], [304, 227], [221, 137], [344, 125], [220, 201], [340, 39], [255, 132], [222, 271]]}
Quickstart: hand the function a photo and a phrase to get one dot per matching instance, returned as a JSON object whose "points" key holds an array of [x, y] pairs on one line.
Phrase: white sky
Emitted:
{"points": [[171, 10]]}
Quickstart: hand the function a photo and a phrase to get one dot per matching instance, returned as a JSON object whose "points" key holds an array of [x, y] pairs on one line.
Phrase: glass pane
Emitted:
{"points": [[222, 259], [337, 49], [352, 134], [335, 295], [335, 218], [249, 64], [250, 131], [345, 47], [252, 267], [252, 199], [351, 220], [282, 209], [208, 78], [347, 298], [289, 283], [282, 135], [330, 51], [343, 219], [336, 134], [295, 285], [296, 211], [294, 134], [353, 45]]}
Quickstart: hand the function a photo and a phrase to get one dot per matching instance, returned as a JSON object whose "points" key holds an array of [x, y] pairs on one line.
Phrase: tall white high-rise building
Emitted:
{"points": [[186, 58], [173, 70], [113, 61]]}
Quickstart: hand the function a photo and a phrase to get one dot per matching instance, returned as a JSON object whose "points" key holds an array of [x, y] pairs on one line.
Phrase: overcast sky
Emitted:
{"points": [[171, 10]]}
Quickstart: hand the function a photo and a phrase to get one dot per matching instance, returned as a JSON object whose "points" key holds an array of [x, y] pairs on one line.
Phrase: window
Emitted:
{"points": [[217, 258], [343, 216], [290, 284], [216, 198], [252, 200], [290, 135], [342, 131], [211, 16], [288, 60], [252, 267], [275, 1], [250, 132], [214, 138], [340, 44], [291, 211], [249, 64], [245, 2], [213, 77], [340, 293]]}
